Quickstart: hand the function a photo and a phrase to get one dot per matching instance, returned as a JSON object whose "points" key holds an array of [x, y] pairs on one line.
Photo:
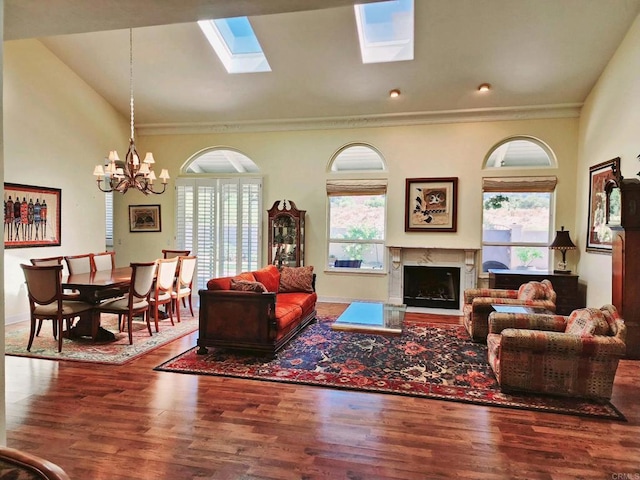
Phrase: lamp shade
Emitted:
{"points": [[562, 241]]}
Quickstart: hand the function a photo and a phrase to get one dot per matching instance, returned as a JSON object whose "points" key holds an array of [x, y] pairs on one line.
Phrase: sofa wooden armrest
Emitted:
{"points": [[236, 319]]}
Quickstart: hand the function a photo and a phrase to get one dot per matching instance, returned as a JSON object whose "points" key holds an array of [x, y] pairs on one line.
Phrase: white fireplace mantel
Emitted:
{"points": [[464, 258]]}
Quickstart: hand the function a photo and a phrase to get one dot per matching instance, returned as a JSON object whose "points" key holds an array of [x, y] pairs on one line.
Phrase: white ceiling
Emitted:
{"points": [[533, 52]]}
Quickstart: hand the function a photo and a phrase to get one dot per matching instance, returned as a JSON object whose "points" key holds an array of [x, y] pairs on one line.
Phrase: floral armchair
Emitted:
{"points": [[478, 301], [575, 355]]}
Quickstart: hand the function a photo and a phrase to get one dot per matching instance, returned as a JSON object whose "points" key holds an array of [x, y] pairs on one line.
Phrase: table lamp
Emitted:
{"points": [[563, 243]]}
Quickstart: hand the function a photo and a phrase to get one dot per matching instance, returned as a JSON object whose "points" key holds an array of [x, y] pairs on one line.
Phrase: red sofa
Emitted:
{"points": [[257, 312]]}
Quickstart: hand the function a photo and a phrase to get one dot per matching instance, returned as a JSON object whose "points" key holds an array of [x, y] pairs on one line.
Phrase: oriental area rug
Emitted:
{"points": [[427, 360], [116, 352]]}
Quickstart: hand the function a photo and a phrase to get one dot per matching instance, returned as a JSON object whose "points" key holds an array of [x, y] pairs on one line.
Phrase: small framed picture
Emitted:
{"points": [[431, 205], [31, 216], [599, 235], [144, 218]]}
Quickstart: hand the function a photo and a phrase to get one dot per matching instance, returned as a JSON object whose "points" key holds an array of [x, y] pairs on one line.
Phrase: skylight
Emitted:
{"points": [[236, 44], [385, 30]]}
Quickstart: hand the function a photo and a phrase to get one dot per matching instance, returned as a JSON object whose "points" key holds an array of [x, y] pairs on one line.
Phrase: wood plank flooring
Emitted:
{"points": [[102, 422]]}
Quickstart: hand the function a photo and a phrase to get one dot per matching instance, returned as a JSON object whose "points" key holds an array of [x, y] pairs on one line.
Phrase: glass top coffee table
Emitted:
{"points": [[520, 309], [371, 317]]}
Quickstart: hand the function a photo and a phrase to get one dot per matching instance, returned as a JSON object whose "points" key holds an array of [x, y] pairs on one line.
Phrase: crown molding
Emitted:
{"points": [[567, 110]]}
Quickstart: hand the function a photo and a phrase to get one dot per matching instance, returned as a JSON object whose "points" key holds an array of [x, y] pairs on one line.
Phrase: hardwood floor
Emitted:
{"points": [[102, 422]]}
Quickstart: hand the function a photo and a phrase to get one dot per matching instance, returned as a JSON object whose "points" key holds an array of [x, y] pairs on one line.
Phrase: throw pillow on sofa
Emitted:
{"points": [[269, 276], [296, 279], [247, 286]]}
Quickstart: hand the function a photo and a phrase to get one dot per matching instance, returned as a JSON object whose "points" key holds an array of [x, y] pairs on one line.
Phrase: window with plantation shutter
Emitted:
{"points": [[219, 220]]}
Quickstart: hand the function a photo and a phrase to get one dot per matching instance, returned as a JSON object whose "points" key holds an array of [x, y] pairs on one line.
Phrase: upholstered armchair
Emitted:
{"points": [[478, 301], [575, 355]]}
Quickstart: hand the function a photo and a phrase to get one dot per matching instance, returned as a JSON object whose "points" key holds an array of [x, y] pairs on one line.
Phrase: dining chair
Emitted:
{"points": [[175, 253], [184, 284], [46, 262], [48, 302], [79, 263], [136, 301], [161, 294], [103, 261]]}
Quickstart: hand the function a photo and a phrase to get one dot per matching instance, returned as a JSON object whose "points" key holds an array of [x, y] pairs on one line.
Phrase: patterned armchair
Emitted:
{"points": [[575, 355], [478, 301]]}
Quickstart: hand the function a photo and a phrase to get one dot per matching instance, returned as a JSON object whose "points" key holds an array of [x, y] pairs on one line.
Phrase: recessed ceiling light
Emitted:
{"points": [[394, 93], [485, 87]]}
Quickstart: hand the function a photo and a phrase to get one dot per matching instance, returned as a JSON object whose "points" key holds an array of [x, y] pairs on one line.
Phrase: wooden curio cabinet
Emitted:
{"points": [[286, 234], [623, 217]]}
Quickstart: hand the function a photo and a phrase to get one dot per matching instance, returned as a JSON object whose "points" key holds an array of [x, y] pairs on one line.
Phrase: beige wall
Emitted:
{"points": [[56, 129], [608, 129], [294, 166]]}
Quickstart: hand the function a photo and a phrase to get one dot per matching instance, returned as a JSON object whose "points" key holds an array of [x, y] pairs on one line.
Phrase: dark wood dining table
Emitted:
{"points": [[94, 287]]}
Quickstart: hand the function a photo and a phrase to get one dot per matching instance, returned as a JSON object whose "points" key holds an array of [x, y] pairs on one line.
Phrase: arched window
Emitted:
{"points": [[356, 210], [357, 157], [219, 160], [520, 152], [219, 212]]}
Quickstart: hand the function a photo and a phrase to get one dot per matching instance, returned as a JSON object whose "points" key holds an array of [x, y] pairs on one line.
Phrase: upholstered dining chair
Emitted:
{"points": [[136, 302], [175, 253], [46, 262], [103, 261], [79, 263], [48, 302], [161, 294], [183, 287], [20, 465]]}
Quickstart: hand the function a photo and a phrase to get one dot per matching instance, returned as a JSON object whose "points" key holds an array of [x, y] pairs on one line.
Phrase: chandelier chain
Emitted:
{"points": [[131, 78]]}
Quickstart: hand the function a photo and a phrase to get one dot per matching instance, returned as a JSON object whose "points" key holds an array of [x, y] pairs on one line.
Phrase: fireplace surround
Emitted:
{"points": [[441, 260]]}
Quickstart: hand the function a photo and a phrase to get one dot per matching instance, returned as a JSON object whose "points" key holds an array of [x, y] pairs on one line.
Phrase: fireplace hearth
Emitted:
{"points": [[432, 287]]}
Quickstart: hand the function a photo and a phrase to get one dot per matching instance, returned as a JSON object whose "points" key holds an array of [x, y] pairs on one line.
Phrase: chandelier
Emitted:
{"points": [[119, 176]]}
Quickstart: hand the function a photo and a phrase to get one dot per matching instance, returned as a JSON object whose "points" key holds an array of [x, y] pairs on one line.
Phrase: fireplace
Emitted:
{"points": [[431, 287], [455, 270]]}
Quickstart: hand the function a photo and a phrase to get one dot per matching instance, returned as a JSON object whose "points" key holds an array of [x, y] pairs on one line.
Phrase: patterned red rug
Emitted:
{"points": [[431, 361], [116, 352]]}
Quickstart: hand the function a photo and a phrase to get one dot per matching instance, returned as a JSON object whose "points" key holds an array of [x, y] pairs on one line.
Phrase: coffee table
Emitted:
{"points": [[371, 317], [502, 308]]}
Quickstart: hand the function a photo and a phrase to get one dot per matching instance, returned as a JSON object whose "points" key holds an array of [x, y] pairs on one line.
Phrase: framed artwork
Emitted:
{"points": [[598, 233], [31, 216], [431, 205], [144, 218]]}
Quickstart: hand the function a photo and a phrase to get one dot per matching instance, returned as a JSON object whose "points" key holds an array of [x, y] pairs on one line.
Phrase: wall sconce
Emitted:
{"points": [[563, 243]]}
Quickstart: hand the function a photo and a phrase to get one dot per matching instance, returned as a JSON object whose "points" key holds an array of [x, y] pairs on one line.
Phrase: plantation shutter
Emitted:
{"points": [[250, 217], [108, 203], [206, 231], [219, 220]]}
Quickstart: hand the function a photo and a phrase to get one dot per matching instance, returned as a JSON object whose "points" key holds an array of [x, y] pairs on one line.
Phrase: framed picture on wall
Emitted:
{"points": [[144, 218], [31, 216], [431, 204], [598, 233]]}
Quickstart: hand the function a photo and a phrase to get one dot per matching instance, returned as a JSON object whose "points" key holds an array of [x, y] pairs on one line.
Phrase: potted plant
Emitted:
{"points": [[526, 255]]}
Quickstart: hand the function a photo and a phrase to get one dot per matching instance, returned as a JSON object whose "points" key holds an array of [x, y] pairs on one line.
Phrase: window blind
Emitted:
{"points": [[357, 187], [519, 184]]}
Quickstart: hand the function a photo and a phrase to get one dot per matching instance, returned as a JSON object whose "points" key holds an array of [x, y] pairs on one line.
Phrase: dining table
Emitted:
{"points": [[95, 287]]}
